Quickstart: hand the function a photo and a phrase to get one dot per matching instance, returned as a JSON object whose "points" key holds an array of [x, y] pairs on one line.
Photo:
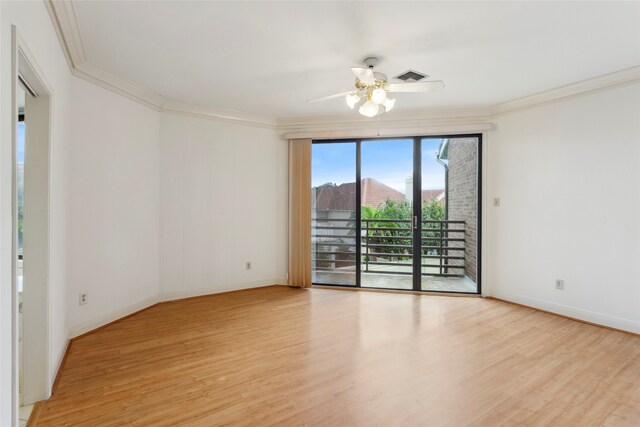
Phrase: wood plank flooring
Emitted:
{"points": [[281, 356]]}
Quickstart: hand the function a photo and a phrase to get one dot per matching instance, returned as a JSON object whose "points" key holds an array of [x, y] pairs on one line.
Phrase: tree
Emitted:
{"points": [[381, 228], [379, 225], [432, 211], [327, 185]]}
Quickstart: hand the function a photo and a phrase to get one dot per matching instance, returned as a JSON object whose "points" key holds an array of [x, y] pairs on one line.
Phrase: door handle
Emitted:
{"points": [[415, 222]]}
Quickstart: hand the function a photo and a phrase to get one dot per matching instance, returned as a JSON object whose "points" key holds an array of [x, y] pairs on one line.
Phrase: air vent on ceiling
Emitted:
{"points": [[411, 76]]}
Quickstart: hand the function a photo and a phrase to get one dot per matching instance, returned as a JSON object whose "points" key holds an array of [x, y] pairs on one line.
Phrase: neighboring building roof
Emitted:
{"points": [[343, 196], [339, 198], [433, 194], [375, 193]]}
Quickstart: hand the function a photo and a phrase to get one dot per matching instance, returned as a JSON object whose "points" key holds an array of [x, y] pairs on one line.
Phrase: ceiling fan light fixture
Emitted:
{"points": [[373, 89], [378, 95], [369, 109], [389, 104], [352, 100]]}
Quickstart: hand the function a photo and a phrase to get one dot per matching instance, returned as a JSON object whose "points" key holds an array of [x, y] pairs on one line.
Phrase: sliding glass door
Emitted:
{"points": [[334, 238], [450, 176], [398, 213], [386, 206]]}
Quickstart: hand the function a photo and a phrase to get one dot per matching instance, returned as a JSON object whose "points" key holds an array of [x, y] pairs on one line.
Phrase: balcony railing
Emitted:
{"points": [[387, 246]]}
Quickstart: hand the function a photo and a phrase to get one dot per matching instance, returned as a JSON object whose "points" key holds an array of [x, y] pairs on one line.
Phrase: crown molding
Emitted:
{"points": [[63, 16], [422, 130], [65, 22], [584, 87], [330, 125], [119, 85], [392, 123], [220, 114]]}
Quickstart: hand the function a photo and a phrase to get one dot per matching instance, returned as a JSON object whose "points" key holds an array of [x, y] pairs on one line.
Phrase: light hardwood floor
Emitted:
{"points": [[281, 356]]}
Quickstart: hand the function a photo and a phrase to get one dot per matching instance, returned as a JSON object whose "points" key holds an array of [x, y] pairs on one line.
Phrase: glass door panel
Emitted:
{"points": [[449, 214], [387, 214], [397, 213], [333, 238]]}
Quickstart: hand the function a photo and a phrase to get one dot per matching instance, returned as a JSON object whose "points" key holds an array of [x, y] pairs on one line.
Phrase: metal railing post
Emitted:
{"points": [[440, 244], [366, 245]]}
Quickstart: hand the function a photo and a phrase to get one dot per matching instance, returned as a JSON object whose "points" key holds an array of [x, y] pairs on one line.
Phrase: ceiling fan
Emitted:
{"points": [[373, 88]]}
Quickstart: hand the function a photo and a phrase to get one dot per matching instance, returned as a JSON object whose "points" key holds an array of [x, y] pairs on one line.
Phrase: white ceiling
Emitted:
{"points": [[268, 58]]}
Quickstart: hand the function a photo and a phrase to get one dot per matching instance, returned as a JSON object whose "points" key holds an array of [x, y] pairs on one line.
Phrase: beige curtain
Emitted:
{"points": [[300, 213]]}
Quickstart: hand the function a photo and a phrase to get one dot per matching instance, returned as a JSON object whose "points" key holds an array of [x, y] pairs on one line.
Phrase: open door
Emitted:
{"points": [[32, 105]]}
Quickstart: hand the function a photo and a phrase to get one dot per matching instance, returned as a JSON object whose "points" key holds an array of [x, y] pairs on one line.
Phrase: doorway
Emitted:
{"points": [[31, 164], [411, 222]]}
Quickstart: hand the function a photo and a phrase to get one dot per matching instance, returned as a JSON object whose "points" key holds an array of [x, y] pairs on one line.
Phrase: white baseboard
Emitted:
{"points": [[58, 366], [574, 312], [90, 325], [174, 295]]}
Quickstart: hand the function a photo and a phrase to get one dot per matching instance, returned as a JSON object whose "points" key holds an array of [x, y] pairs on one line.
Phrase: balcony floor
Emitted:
{"points": [[395, 281]]}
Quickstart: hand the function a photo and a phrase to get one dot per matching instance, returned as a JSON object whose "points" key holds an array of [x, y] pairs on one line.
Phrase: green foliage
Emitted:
{"points": [[432, 210], [327, 185], [380, 227], [383, 229]]}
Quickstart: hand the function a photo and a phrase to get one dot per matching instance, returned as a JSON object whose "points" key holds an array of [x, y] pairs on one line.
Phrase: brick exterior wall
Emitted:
{"points": [[463, 198]]}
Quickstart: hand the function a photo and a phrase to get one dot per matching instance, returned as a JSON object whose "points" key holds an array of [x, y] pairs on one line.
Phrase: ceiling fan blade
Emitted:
{"points": [[365, 75], [417, 87], [325, 98]]}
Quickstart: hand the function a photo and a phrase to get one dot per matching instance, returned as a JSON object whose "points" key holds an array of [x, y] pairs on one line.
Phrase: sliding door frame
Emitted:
{"points": [[416, 221], [417, 210]]}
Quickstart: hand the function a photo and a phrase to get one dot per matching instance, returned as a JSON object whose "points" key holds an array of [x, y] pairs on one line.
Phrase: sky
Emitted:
{"points": [[388, 161], [20, 142]]}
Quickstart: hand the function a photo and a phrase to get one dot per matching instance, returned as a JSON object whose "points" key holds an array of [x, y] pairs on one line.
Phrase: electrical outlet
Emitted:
{"points": [[496, 202], [82, 298], [559, 284], [248, 265]]}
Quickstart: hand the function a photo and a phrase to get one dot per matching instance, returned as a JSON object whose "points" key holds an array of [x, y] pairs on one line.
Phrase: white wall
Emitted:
{"points": [[568, 175], [104, 195], [112, 244], [223, 202]]}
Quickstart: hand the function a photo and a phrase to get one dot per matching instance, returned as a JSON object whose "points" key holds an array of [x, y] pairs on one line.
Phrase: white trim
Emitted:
{"points": [[588, 316], [395, 119], [486, 231], [119, 85], [97, 322], [171, 296], [387, 132], [576, 313], [63, 16], [58, 365], [606, 81], [418, 122], [21, 54], [15, 333], [65, 22], [217, 114], [90, 325]]}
